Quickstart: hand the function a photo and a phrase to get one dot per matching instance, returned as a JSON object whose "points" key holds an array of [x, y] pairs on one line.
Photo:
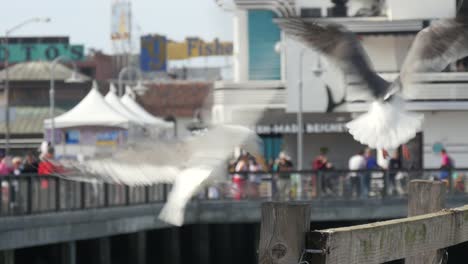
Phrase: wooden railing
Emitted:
{"points": [[421, 238]]}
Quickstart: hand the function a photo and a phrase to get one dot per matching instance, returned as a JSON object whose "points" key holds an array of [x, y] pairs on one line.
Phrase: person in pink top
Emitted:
{"points": [[446, 165], [4, 168]]}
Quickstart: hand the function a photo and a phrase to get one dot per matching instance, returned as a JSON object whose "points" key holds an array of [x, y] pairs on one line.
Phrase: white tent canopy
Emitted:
{"points": [[113, 100], [133, 106], [91, 111]]}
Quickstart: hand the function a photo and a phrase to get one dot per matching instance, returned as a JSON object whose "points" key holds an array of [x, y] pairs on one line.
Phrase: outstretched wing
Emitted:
{"points": [[436, 46], [340, 46], [147, 162]]}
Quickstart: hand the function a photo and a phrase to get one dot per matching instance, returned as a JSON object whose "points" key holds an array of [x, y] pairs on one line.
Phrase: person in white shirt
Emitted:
{"points": [[357, 162]]}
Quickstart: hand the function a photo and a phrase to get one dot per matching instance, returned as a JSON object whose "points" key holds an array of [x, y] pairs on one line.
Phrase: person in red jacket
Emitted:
{"points": [[48, 166]]}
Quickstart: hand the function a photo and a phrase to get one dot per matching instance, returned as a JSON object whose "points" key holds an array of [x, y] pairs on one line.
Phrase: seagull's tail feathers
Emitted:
{"points": [[386, 125], [187, 184]]}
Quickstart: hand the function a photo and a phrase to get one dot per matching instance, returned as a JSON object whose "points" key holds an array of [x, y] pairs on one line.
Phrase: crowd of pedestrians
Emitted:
{"points": [[30, 164], [42, 164], [363, 177]]}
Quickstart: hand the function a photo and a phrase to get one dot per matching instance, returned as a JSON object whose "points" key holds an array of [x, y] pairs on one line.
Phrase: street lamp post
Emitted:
{"points": [[126, 70], [300, 124], [279, 48], [6, 64], [73, 78]]}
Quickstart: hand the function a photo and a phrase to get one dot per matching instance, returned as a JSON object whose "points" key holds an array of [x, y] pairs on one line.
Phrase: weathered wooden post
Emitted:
{"points": [[426, 197], [282, 232]]}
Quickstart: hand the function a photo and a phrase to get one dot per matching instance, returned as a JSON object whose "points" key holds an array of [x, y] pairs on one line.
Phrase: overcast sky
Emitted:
{"points": [[88, 21]]}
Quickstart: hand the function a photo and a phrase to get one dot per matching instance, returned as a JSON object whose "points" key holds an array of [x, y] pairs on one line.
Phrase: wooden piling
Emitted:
{"points": [[426, 197], [282, 232]]}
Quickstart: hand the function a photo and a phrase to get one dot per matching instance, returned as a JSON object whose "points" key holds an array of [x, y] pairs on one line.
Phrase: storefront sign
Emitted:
{"points": [[41, 52], [309, 128]]}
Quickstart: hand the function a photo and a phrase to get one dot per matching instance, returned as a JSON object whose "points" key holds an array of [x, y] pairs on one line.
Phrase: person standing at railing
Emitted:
{"points": [[17, 165], [239, 178], [283, 164], [254, 177], [371, 164], [5, 169], [30, 164], [323, 167], [17, 168], [48, 166], [356, 163], [394, 165], [320, 162], [446, 167]]}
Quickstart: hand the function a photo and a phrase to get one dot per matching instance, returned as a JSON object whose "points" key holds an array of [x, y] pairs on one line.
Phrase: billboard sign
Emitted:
{"points": [[72, 137], [107, 138], [41, 52], [121, 21], [153, 54], [156, 50], [196, 47]]}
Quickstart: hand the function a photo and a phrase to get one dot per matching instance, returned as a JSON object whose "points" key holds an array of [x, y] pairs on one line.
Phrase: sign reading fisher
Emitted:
{"points": [[155, 50]]}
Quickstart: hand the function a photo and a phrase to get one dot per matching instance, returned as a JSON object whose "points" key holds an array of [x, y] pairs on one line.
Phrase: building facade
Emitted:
{"points": [[264, 93]]}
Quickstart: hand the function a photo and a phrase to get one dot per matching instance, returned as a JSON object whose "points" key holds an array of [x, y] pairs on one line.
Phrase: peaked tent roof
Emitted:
{"points": [[39, 70], [113, 100], [133, 106], [90, 111]]}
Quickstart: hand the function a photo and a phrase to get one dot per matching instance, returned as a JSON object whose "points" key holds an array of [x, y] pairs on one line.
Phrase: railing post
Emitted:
{"points": [[282, 232], [11, 196], [426, 197], [127, 195], [29, 202], [57, 194], [165, 191], [319, 180], [450, 181], [83, 195], [106, 194], [386, 184], [147, 193]]}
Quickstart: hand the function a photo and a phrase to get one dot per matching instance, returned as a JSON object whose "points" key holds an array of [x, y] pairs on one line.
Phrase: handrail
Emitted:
{"points": [[32, 194]]}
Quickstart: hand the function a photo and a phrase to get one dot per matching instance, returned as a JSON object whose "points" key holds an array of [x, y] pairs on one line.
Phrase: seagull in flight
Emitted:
{"points": [[189, 164], [387, 124]]}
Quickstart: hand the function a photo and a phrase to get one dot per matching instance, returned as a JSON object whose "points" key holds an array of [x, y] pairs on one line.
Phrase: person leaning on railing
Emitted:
{"points": [[283, 164], [30, 165], [48, 166], [239, 178], [5, 169], [446, 166]]}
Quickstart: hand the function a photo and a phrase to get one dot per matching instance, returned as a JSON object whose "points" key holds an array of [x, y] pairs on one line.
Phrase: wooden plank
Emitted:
{"points": [[426, 197], [391, 240], [282, 232]]}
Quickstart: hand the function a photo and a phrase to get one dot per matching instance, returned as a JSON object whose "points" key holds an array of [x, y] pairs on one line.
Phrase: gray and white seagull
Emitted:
{"points": [[386, 125]]}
